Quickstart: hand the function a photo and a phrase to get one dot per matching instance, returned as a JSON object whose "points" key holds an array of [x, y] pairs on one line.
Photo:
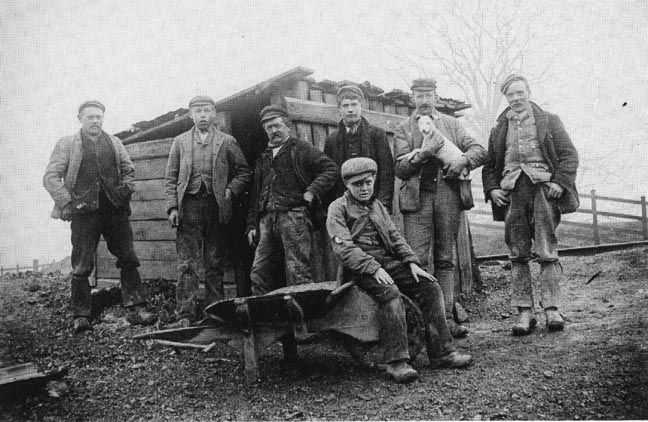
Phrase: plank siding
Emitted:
{"points": [[150, 168]]}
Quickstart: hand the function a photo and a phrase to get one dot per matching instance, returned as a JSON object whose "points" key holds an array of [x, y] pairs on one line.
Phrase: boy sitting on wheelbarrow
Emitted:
{"points": [[377, 257]]}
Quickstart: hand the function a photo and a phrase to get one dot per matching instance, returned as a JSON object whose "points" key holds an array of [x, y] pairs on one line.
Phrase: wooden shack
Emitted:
{"points": [[313, 108]]}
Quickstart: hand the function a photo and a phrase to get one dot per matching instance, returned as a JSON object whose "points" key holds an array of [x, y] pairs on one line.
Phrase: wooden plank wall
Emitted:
{"points": [[315, 114]]}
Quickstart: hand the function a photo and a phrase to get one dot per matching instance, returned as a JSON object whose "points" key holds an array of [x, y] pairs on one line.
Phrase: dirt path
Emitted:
{"points": [[596, 369]]}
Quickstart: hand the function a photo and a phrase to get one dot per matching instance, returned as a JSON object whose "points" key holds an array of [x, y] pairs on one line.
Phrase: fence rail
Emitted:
{"points": [[35, 267], [595, 225]]}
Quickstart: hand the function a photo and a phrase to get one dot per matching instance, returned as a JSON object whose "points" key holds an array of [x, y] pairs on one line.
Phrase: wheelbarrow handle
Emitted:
{"points": [[337, 293]]}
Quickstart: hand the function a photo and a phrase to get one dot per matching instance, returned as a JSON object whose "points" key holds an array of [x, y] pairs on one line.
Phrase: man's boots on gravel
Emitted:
{"points": [[453, 359], [526, 322], [555, 322], [401, 372], [447, 282]]}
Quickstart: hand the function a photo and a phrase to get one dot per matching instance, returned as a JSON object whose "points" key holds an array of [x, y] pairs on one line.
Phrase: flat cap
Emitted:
{"points": [[423, 84], [350, 89], [355, 169], [201, 100], [510, 79], [92, 103], [272, 111]]}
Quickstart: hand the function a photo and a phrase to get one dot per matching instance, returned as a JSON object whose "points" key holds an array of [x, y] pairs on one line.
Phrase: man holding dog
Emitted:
{"points": [[430, 198]]}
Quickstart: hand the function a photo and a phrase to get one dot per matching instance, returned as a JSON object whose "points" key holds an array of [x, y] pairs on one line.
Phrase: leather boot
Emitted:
{"points": [[555, 322], [453, 359], [401, 372], [456, 330], [526, 322]]}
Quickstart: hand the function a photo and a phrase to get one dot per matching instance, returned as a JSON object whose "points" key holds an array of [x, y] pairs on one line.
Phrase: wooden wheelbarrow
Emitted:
{"points": [[292, 315]]}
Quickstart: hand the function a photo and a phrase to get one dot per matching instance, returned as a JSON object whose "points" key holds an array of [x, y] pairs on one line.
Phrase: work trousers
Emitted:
{"points": [[433, 229], [111, 223], [533, 217], [200, 236], [391, 313], [285, 237], [432, 232]]}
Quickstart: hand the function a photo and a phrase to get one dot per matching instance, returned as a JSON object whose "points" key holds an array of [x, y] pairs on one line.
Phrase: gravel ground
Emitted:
{"points": [[596, 369]]}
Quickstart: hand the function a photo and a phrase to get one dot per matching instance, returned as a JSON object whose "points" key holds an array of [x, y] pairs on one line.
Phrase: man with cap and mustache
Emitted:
{"points": [[430, 197], [290, 178], [376, 256], [530, 180], [355, 137], [90, 178], [205, 174]]}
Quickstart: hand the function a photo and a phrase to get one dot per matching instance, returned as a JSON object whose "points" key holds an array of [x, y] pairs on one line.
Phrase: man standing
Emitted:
{"points": [[205, 173], [355, 137], [430, 198], [90, 178], [290, 178], [530, 179]]}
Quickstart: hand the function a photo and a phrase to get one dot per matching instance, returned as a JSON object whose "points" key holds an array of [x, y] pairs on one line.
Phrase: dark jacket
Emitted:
{"points": [[557, 148], [375, 146], [316, 173], [63, 168], [345, 221], [229, 168]]}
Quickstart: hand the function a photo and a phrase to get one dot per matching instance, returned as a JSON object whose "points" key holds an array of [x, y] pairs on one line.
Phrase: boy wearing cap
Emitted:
{"points": [[530, 180], [205, 173], [377, 257], [291, 176], [355, 137], [90, 178], [430, 197]]}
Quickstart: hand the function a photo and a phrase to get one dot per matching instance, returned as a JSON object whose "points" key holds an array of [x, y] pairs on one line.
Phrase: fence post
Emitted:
{"points": [[17, 270], [595, 228], [1, 271], [35, 265], [644, 218]]}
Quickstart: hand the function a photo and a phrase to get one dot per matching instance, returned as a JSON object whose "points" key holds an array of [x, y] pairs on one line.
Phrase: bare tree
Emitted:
{"points": [[474, 45]]}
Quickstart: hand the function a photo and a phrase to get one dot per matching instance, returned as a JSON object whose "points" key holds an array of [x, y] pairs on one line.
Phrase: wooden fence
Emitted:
{"points": [[596, 229], [35, 267]]}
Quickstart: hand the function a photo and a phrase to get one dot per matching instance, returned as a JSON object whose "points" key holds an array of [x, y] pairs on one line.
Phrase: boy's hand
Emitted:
{"points": [[173, 218], [420, 272], [383, 277]]}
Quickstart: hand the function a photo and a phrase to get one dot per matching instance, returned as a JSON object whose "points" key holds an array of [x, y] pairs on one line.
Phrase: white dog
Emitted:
{"points": [[446, 151]]}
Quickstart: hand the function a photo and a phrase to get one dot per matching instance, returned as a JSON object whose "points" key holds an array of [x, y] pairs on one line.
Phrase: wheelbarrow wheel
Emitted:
{"points": [[370, 354]]}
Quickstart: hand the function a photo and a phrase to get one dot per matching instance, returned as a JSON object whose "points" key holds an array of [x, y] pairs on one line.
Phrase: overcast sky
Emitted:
{"points": [[145, 58]]}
